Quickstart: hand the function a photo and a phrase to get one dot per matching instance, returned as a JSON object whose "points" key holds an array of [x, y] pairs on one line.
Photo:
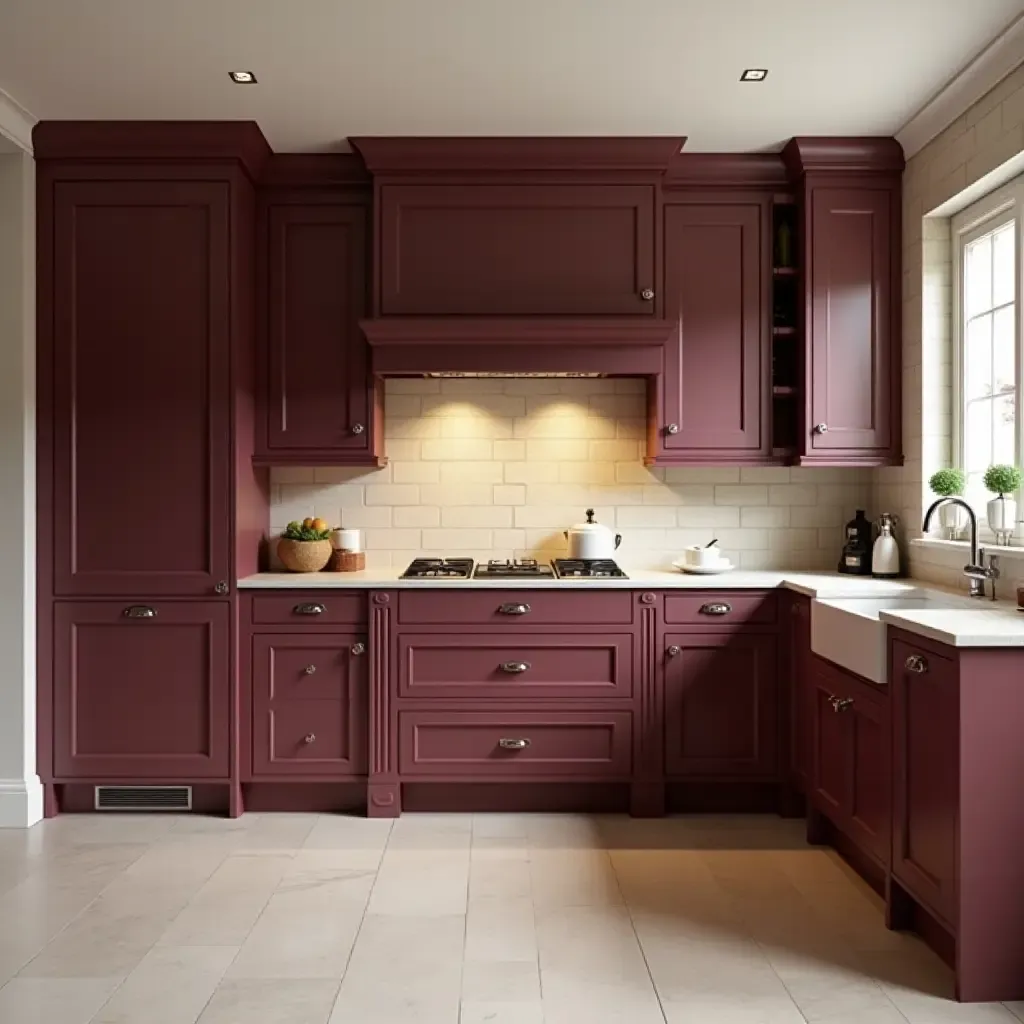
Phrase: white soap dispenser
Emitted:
{"points": [[885, 555]]}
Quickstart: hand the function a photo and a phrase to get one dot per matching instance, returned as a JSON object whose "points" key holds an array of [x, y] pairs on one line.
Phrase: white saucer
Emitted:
{"points": [[704, 570]]}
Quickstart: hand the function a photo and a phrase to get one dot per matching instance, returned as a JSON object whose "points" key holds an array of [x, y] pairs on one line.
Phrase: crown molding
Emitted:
{"points": [[16, 123], [982, 74]]}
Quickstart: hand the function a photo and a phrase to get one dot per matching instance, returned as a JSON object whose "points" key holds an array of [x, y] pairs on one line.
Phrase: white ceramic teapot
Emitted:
{"points": [[591, 540]]}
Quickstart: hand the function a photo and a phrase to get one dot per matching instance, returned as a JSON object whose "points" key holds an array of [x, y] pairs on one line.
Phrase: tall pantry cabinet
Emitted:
{"points": [[149, 507]]}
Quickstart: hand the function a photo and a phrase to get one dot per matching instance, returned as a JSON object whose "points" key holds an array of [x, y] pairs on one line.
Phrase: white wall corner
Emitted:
{"points": [[985, 71], [16, 123], [21, 802]]}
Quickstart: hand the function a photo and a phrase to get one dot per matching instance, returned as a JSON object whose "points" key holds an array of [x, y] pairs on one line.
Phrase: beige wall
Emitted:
{"points": [[498, 468], [975, 145]]}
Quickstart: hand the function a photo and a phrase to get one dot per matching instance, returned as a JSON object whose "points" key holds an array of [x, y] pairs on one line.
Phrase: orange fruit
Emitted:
{"points": [[308, 523], [319, 524]]}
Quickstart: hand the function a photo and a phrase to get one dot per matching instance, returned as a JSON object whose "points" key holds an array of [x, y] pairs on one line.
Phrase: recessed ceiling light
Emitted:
{"points": [[242, 77], [754, 75]]}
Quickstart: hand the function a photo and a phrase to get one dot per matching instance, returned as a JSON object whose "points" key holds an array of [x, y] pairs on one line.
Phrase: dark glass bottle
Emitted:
{"points": [[856, 556]]}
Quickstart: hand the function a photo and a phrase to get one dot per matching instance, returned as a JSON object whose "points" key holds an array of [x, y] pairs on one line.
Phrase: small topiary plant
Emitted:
{"points": [[948, 483], [1003, 480], [308, 529]]}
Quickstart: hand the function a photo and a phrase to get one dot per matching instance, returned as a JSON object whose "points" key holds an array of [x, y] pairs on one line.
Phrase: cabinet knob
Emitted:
{"points": [[222, 587], [358, 649], [674, 651], [139, 611], [513, 609], [515, 668], [357, 428], [310, 670], [841, 703], [916, 663], [508, 743], [821, 428], [715, 608], [647, 294], [310, 737], [672, 428]]}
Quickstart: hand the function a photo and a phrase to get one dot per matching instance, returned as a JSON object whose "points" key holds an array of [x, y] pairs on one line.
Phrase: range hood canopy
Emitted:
{"points": [[506, 346]]}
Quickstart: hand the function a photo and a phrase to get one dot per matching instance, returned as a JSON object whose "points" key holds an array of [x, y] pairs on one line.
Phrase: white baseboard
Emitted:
{"points": [[21, 802]]}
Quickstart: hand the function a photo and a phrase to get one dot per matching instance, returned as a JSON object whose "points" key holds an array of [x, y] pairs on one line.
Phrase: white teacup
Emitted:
{"points": [[703, 557]]}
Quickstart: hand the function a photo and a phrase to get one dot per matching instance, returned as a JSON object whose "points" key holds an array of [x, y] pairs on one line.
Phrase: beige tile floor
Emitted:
{"points": [[450, 919]]}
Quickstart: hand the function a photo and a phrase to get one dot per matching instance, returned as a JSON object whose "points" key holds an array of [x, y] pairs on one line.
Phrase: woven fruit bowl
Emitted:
{"points": [[305, 546]]}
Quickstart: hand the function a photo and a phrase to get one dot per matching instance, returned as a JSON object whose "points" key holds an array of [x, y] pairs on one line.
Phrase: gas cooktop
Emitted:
{"points": [[588, 568], [514, 569], [439, 568]]}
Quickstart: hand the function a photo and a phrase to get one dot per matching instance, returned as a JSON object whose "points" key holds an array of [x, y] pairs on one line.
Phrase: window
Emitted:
{"points": [[987, 330]]}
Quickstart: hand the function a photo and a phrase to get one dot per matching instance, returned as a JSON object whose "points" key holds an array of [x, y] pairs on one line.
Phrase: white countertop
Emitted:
{"points": [[989, 624]]}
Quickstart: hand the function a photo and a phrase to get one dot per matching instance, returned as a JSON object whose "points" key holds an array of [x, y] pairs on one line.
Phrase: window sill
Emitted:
{"points": [[938, 546]]}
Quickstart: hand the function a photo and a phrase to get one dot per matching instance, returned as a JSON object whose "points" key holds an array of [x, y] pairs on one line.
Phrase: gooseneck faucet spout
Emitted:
{"points": [[975, 571]]}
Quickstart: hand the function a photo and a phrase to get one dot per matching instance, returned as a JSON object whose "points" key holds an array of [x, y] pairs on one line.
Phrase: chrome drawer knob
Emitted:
{"points": [[515, 667], [647, 294], [508, 743], [672, 428], [358, 649], [357, 428], [917, 664], [309, 738], [821, 428], [222, 587], [674, 651], [310, 669]]}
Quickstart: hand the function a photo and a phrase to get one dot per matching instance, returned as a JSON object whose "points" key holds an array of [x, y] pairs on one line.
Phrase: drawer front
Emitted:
{"points": [[310, 667], [314, 737], [485, 744], [721, 608], [302, 608], [515, 665], [514, 608]]}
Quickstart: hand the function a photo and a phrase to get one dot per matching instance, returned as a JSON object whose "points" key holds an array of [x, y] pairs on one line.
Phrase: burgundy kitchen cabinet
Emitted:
{"points": [[318, 404], [142, 482], [801, 691], [721, 705], [850, 773], [715, 393], [516, 249], [141, 690], [309, 704]]}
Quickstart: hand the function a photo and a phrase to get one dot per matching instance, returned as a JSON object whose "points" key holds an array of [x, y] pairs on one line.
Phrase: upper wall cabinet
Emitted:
{"points": [[516, 250], [317, 402], [713, 399], [140, 376], [850, 199]]}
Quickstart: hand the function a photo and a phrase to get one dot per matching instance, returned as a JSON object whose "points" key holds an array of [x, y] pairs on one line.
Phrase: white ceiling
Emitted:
{"points": [[328, 69]]}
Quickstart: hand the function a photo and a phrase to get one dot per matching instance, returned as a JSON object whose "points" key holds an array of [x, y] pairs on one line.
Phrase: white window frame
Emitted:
{"points": [[987, 214]]}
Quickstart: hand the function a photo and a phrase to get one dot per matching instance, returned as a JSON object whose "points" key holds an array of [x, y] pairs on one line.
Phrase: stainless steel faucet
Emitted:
{"points": [[975, 571]]}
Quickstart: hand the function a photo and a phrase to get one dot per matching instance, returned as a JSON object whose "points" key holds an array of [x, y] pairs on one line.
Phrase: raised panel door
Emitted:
{"points": [[850, 345], [142, 427], [310, 704], [141, 690], [715, 390], [721, 715], [926, 751], [516, 250], [316, 375], [870, 810]]}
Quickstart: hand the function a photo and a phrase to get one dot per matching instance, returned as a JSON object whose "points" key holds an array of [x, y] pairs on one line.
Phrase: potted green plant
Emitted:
{"points": [[305, 546], [950, 483], [1004, 482]]}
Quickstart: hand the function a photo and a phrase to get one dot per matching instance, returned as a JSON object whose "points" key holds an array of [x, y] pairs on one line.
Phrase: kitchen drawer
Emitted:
{"points": [[305, 608], [720, 608], [311, 666], [516, 744], [480, 607], [515, 665], [310, 737]]}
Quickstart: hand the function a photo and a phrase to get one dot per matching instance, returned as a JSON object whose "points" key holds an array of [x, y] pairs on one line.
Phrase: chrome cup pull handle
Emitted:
{"points": [[513, 609], [309, 609], [515, 668], [139, 611], [510, 743], [715, 608]]}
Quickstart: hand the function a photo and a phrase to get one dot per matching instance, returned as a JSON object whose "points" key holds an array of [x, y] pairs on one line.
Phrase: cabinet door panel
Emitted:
{"points": [[141, 387], [925, 775], [850, 344], [830, 771], [721, 716], [309, 704], [141, 698], [716, 385], [518, 250], [871, 778], [317, 370]]}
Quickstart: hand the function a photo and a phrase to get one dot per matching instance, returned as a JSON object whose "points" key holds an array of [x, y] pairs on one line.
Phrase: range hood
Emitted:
{"points": [[514, 347]]}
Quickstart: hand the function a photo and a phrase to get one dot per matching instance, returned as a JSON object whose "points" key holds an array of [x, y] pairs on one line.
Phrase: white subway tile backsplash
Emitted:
{"points": [[459, 483]]}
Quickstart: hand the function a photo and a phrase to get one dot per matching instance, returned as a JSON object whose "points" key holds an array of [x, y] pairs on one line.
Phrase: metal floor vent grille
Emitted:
{"points": [[143, 798]]}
